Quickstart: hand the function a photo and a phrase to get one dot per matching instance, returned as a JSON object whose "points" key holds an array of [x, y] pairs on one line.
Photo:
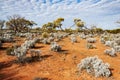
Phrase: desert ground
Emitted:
{"points": [[56, 65]]}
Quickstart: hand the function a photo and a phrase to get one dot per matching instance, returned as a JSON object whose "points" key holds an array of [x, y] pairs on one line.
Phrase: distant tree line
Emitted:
{"points": [[17, 23], [114, 31]]}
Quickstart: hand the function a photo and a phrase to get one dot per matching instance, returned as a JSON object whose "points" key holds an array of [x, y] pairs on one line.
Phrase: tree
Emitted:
{"points": [[99, 30], [51, 26], [79, 23], [2, 24], [18, 23], [48, 27], [58, 23]]}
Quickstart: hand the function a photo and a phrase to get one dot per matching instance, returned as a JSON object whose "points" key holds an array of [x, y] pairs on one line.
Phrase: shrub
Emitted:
{"points": [[110, 52], [73, 38], [30, 43], [55, 47], [50, 39], [91, 40], [91, 46], [7, 38], [95, 66], [20, 53], [45, 41], [9, 51], [117, 40], [108, 43], [83, 36], [45, 35], [35, 53], [102, 40], [117, 48]]}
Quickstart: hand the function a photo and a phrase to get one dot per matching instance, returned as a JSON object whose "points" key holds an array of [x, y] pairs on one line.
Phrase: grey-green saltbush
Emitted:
{"points": [[110, 52], [94, 66], [55, 47], [91, 40]]}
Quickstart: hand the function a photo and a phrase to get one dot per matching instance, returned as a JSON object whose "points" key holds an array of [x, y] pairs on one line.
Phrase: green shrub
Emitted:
{"points": [[9, 50], [45, 35]]}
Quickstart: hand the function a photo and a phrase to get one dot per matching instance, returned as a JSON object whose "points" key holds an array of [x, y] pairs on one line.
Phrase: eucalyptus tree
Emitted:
{"points": [[18, 23], [50, 26], [79, 23], [58, 23]]}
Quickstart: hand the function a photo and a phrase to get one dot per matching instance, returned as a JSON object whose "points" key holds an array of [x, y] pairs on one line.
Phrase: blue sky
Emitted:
{"points": [[102, 13]]}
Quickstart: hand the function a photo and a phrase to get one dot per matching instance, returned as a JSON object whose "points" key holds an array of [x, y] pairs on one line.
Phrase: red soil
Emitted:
{"points": [[57, 66]]}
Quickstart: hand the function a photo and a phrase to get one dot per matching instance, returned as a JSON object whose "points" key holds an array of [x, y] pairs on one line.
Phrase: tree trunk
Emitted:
{"points": [[61, 28], [72, 26]]}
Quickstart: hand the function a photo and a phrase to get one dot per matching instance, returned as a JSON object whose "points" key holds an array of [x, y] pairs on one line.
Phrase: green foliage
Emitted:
{"points": [[57, 23], [70, 31], [9, 50], [78, 30], [45, 35], [114, 31], [18, 23], [99, 30], [51, 26], [79, 23]]}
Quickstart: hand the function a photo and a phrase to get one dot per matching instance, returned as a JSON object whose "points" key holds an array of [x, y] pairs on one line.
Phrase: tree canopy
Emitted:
{"points": [[18, 23], [79, 23], [53, 25]]}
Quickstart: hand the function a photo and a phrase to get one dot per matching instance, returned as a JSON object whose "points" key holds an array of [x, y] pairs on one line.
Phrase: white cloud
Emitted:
{"points": [[103, 13]]}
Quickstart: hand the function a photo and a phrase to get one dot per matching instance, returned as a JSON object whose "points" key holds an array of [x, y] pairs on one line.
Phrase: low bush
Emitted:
{"points": [[91, 46], [45, 35], [9, 51], [91, 40], [110, 52], [95, 66], [55, 47]]}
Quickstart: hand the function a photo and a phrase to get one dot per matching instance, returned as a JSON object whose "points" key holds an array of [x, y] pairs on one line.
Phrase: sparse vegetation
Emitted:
{"points": [[90, 46], [18, 23], [45, 35], [55, 47], [95, 66], [40, 44], [9, 51]]}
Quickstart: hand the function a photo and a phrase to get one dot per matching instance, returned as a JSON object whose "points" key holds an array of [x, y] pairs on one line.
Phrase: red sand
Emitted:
{"points": [[57, 66]]}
